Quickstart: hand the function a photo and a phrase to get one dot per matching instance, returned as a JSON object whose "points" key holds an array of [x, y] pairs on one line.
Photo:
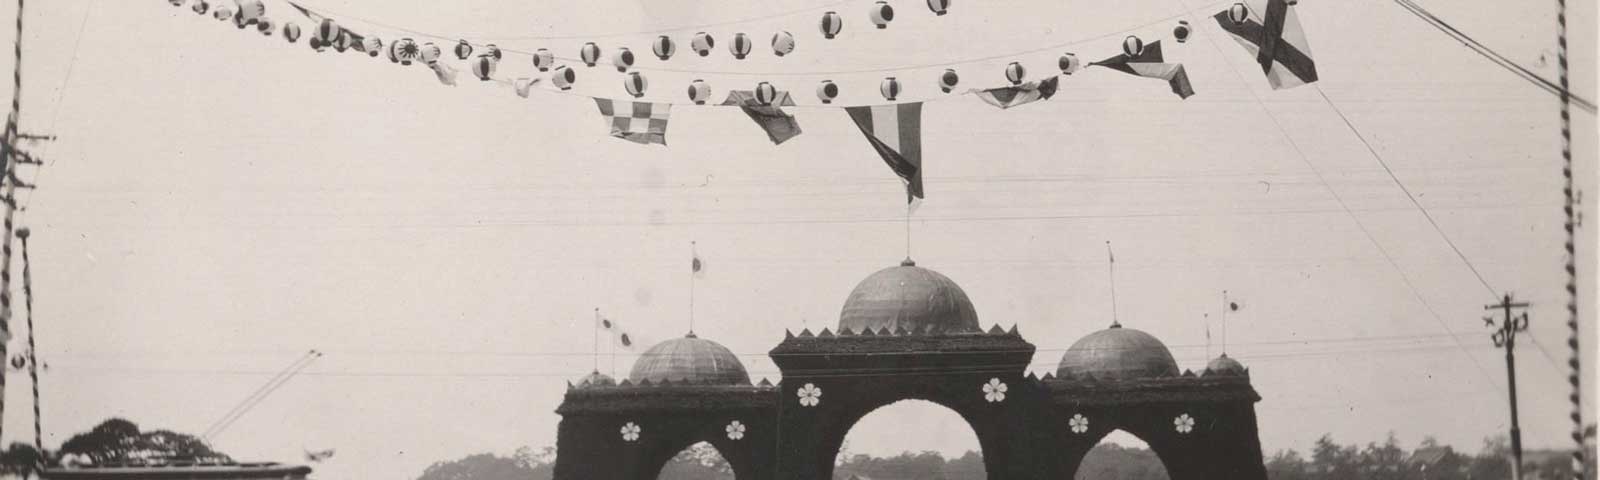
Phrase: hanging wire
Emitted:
{"points": [[1473, 44]]}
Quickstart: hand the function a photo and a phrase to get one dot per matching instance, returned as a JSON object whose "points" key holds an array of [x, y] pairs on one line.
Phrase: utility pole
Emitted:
{"points": [[1505, 336]]}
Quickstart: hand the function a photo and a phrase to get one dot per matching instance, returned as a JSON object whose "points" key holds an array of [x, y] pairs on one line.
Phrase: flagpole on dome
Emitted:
{"points": [[1224, 322], [1112, 273], [694, 271], [596, 339]]}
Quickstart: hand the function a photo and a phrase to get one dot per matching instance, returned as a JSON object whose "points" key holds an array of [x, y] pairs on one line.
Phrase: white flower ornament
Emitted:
{"points": [[994, 391], [1184, 423], [630, 432], [1079, 423], [735, 430], [810, 395]]}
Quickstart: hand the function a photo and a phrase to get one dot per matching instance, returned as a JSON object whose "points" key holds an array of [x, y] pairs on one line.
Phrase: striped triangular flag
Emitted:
{"points": [[895, 131], [1007, 97], [1151, 64], [1271, 32]]}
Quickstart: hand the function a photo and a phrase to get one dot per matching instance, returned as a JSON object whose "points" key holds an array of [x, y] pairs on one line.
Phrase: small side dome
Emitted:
{"points": [[1224, 365], [689, 359], [1116, 354], [910, 297], [596, 379]]}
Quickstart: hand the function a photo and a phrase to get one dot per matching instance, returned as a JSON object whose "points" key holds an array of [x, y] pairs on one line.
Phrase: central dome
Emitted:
{"points": [[910, 297], [1117, 353], [689, 359]]}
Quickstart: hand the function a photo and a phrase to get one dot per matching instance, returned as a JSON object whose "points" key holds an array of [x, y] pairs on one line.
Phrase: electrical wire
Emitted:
{"points": [[1496, 58]]}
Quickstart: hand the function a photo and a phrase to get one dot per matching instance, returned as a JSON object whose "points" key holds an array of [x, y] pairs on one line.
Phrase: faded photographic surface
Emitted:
{"points": [[489, 239]]}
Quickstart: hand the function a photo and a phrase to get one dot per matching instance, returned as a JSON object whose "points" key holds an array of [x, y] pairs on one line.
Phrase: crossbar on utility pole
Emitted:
{"points": [[1505, 336]]}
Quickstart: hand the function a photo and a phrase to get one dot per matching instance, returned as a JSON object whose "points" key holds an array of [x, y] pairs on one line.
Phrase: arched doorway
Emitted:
{"points": [[1120, 455], [701, 461], [911, 439]]}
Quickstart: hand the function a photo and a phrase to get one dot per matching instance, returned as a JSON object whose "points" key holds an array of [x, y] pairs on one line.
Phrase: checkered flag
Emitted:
{"points": [[638, 122]]}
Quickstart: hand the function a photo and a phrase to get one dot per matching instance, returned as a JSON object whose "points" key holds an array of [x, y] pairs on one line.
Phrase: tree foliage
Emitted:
{"points": [[119, 440]]}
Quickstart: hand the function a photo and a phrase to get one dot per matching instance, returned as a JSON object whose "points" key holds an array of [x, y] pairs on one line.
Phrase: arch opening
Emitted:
{"points": [[700, 461], [910, 439], [1121, 455]]}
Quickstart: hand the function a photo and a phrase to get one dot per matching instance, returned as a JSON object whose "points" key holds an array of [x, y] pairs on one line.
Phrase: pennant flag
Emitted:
{"points": [[319, 456], [1150, 64], [1271, 31], [1007, 97], [446, 74], [524, 85], [779, 125], [895, 131], [618, 335], [698, 266], [638, 122]]}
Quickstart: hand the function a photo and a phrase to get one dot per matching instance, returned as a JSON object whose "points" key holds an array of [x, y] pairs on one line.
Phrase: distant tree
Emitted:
{"points": [[1112, 461], [700, 461], [119, 440], [1287, 465], [1331, 461], [20, 459], [1494, 460], [482, 466], [1383, 462]]}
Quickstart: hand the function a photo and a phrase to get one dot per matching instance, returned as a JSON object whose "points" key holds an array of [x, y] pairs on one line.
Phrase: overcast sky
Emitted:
{"points": [[219, 202]]}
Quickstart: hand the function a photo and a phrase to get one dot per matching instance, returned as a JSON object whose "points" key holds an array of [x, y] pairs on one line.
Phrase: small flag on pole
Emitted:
{"points": [[895, 131], [619, 336], [698, 266], [1271, 32], [1150, 64], [638, 122]]}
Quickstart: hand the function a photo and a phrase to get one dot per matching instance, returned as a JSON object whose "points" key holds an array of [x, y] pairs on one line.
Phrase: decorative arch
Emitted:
{"points": [[630, 431], [855, 424]]}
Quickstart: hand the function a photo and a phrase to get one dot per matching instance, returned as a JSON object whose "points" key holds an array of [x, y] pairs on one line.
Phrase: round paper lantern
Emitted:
{"points": [[1132, 46], [663, 47], [622, 58], [1015, 73], [889, 88], [291, 32], [372, 45], [405, 51], [1069, 63], [429, 54], [543, 60], [939, 7], [948, 80], [493, 51], [221, 13], [1181, 32], [766, 93], [782, 43], [563, 77], [463, 50], [831, 24], [200, 7], [740, 46], [483, 67], [881, 14], [250, 11], [344, 42], [699, 91], [702, 43], [176, 3], [265, 26], [590, 53], [327, 32], [827, 91], [1238, 13], [635, 84]]}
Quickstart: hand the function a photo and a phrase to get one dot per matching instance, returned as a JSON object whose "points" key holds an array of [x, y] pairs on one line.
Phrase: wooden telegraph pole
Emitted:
{"points": [[1505, 336]]}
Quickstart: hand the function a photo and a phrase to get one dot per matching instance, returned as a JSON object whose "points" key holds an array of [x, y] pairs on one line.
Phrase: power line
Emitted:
{"points": [[1496, 58]]}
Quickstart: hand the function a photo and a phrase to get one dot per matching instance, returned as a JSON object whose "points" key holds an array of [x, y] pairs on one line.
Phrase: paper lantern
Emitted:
{"points": [[622, 58], [463, 50], [635, 84], [483, 67], [740, 46], [827, 91], [1238, 13], [345, 41], [881, 14], [831, 24], [265, 26], [702, 43], [250, 11], [766, 93], [405, 51], [1181, 32], [590, 53], [1069, 63], [948, 80], [291, 32], [699, 91], [543, 60], [176, 3], [327, 32], [889, 88], [372, 45], [939, 7], [782, 43], [429, 54], [663, 47], [1015, 73], [1132, 46], [493, 51], [200, 7], [563, 77], [221, 13]]}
